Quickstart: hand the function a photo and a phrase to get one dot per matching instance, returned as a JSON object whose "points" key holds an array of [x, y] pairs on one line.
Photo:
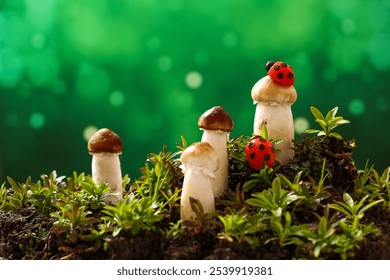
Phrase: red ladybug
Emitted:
{"points": [[259, 151], [281, 73]]}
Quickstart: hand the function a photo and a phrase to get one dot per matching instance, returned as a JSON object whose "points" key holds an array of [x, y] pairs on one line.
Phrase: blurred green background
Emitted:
{"points": [[147, 69]]}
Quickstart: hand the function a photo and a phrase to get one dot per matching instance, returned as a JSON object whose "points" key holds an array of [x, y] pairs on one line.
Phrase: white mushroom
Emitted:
{"points": [[216, 124], [105, 147], [274, 110], [199, 163]]}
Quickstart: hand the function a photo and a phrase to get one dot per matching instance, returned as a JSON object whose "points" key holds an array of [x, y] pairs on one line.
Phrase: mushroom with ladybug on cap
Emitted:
{"points": [[105, 146], [273, 95]]}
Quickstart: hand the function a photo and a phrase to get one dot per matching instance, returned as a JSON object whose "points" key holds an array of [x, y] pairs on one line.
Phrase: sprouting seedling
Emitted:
{"points": [[328, 123]]}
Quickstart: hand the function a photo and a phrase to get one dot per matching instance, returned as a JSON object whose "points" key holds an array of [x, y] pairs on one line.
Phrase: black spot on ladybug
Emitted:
{"points": [[261, 147], [290, 75], [267, 157], [269, 64], [284, 64], [276, 67], [251, 144], [252, 155], [280, 75]]}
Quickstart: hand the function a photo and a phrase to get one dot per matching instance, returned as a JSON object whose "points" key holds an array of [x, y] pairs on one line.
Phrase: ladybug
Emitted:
{"points": [[281, 73], [260, 151]]}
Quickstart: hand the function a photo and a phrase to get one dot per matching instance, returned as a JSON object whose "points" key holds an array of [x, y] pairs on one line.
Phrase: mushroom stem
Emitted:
{"points": [[106, 167], [280, 125], [218, 140], [197, 185], [199, 163]]}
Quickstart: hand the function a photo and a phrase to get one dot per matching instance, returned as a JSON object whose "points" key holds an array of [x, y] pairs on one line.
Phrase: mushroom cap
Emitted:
{"points": [[105, 141], [200, 155], [266, 90], [216, 118]]}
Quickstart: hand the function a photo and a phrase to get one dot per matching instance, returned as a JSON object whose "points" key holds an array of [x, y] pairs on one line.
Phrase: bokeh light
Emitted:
{"points": [[301, 124], [37, 120], [356, 107], [194, 80], [88, 132], [149, 69]]}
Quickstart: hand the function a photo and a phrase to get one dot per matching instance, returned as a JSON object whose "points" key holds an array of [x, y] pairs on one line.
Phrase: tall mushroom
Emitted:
{"points": [[274, 94], [105, 146], [199, 163], [216, 124]]}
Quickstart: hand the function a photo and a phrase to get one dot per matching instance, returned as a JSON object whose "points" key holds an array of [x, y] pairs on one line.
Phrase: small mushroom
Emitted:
{"points": [[105, 146], [216, 124], [274, 94], [199, 163]]}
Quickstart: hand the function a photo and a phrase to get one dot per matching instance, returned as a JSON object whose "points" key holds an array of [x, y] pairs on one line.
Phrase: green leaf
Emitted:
{"points": [[316, 113], [310, 131], [348, 200], [331, 114], [336, 135], [385, 175], [368, 206], [322, 123], [263, 130]]}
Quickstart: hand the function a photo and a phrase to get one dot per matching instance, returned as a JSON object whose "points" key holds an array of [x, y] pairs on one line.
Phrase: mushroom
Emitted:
{"points": [[216, 124], [199, 163], [105, 146], [274, 94]]}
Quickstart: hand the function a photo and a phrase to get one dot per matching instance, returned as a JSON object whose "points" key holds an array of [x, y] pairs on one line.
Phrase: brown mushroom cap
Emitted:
{"points": [[105, 141], [265, 90], [216, 118], [200, 155]]}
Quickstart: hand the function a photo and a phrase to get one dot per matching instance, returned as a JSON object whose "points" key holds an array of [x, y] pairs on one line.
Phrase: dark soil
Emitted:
{"points": [[27, 234]]}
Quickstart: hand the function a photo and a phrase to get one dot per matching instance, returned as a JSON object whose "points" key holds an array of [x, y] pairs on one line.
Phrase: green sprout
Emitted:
{"points": [[328, 123], [275, 199], [286, 233], [73, 219], [241, 227], [133, 214], [351, 209]]}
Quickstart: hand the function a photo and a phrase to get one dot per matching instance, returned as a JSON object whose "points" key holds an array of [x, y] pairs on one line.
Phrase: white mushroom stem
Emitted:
{"points": [[218, 140], [106, 167], [199, 163], [197, 184], [280, 125]]}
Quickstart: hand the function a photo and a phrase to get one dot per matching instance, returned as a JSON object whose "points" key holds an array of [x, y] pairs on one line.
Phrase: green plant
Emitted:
{"points": [[133, 214], [203, 220], [72, 218], [263, 178], [275, 199], [4, 207], [351, 209], [328, 123], [95, 194], [175, 230], [160, 175], [363, 176], [41, 196], [19, 196], [241, 227], [311, 194], [286, 233], [324, 236], [236, 152]]}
